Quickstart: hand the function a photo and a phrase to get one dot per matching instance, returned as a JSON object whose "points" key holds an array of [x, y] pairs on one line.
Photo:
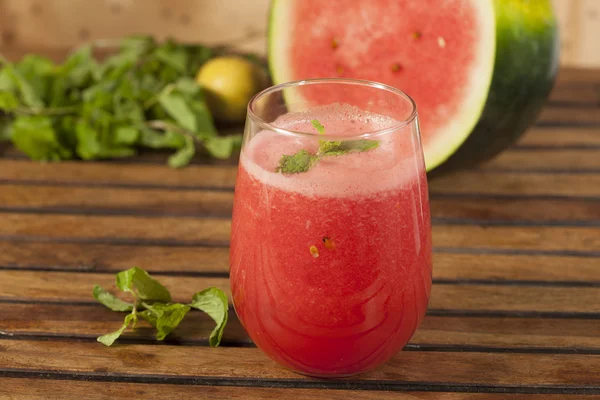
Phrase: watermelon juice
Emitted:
{"points": [[331, 268]]}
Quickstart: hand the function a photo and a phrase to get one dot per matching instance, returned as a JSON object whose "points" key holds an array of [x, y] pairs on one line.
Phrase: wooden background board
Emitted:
{"points": [[42, 25], [514, 313]]}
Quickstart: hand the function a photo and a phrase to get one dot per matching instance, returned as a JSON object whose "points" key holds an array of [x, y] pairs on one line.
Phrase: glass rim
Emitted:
{"points": [[399, 124]]}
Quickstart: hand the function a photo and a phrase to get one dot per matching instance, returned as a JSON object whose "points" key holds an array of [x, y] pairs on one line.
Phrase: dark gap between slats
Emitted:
{"points": [[423, 347], [431, 312], [223, 244], [226, 216], [224, 274], [302, 383]]}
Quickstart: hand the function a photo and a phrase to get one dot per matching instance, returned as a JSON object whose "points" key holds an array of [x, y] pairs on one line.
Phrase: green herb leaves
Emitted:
{"points": [[211, 301], [304, 160], [142, 96], [152, 303]]}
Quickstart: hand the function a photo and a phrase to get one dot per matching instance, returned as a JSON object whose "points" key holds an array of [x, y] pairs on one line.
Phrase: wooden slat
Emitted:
{"points": [[568, 76], [451, 368], [576, 94], [208, 176], [110, 228], [560, 137], [499, 267], [513, 334], [568, 160], [513, 183], [196, 203], [193, 260], [96, 173], [104, 257], [149, 230], [514, 209], [515, 238], [570, 115], [50, 286], [118, 200], [36, 389]]}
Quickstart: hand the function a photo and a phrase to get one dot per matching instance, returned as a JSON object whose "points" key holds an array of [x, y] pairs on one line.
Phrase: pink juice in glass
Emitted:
{"points": [[331, 268]]}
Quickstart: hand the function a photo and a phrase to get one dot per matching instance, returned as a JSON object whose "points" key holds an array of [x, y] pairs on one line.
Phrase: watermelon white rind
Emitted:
{"points": [[469, 109]]}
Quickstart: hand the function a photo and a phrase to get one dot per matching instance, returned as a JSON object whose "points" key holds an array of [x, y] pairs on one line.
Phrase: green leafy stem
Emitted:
{"points": [[304, 160], [153, 304]]}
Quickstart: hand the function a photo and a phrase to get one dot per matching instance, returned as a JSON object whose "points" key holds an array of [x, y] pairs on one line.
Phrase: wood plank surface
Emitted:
{"points": [[196, 232], [552, 160], [111, 258], [517, 184], [513, 313], [561, 115], [560, 137], [48, 389], [200, 176], [408, 368], [50, 287], [207, 203], [442, 332]]}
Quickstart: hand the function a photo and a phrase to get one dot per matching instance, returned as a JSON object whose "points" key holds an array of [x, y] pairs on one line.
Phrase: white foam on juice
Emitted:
{"points": [[390, 166]]}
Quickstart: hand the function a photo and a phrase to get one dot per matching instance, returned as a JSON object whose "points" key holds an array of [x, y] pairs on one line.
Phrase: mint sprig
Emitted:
{"points": [[303, 160], [152, 303]]}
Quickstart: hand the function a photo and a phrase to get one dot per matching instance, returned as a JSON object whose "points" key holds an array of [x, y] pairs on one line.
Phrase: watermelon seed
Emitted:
{"points": [[417, 35], [334, 43], [396, 67], [441, 42]]}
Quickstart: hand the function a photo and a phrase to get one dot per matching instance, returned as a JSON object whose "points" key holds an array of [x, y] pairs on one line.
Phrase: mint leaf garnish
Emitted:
{"points": [[318, 126], [165, 317], [136, 280], [110, 338], [304, 160], [110, 300], [213, 302], [153, 304]]}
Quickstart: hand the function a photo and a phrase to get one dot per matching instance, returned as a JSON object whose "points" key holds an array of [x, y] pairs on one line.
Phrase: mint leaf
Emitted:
{"points": [[214, 302], [138, 282], [110, 300], [348, 146], [177, 107], [5, 129], [304, 160], [184, 155], [36, 137], [222, 146], [165, 317], [158, 139], [320, 128], [8, 101], [110, 338]]}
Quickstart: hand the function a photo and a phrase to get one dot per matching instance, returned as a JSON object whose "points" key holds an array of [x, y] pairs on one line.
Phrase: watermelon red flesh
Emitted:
{"points": [[439, 52]]}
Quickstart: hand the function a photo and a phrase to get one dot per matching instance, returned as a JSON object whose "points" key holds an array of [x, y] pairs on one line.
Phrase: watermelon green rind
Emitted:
{"points": [[514, 78], [524, 73]]}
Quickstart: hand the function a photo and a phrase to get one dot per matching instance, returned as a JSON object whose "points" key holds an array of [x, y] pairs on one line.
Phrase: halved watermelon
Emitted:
{"points": [[479, 70]]}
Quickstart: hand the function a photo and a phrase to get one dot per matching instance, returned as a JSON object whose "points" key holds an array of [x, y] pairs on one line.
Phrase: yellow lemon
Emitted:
{"points": [[229, 83]]}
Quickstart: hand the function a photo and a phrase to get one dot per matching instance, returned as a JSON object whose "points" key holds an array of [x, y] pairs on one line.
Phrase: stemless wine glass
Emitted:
{"points": [[331, 235]]}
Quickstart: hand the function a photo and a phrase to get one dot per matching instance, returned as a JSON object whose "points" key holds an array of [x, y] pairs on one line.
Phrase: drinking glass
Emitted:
{"points": [[331, 236]]}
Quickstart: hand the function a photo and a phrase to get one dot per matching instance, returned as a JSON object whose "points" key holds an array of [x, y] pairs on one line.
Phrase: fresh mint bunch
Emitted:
{"points": [[144, 96], [152, 303], [303, 160]]}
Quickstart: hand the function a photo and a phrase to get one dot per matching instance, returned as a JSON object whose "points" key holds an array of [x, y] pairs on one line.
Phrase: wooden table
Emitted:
{"points": [[514, 314]]}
